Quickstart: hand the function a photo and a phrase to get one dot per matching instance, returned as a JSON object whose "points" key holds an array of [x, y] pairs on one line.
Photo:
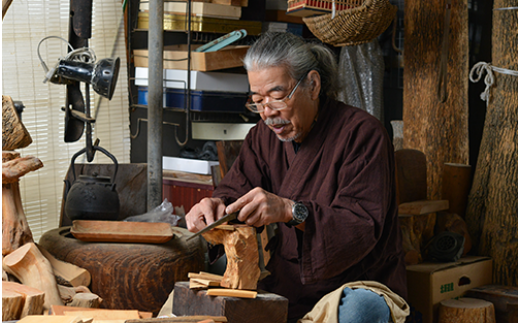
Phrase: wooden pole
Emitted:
{"points": [[492, 208], [437, 127]]}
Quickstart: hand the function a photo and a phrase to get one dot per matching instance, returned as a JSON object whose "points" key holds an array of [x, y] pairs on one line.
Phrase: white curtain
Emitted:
{"points": [[24, 25]]}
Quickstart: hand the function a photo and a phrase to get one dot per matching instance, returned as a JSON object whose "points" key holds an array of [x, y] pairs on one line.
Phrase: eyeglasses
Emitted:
{"points": [[275, 104]]}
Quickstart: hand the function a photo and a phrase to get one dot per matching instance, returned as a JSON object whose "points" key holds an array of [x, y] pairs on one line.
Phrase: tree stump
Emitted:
{"points": [[241, 247], [436, 126], [466, 310], [492, 208]]}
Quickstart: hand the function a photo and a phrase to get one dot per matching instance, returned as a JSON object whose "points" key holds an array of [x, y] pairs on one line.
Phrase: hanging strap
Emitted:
{"points": [[442, 84]]}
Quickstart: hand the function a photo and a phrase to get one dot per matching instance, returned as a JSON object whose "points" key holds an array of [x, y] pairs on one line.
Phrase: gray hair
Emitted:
{"points": [[276, 49]]}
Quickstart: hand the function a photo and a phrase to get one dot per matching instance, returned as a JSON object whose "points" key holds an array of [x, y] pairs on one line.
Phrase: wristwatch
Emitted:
{"points": [[299, 214]]}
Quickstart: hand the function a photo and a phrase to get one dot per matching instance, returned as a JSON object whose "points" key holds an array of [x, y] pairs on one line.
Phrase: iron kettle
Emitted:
{"points": [[92, 197]]}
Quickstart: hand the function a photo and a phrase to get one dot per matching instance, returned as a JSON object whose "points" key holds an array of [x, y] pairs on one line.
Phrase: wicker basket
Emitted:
{"points": [[305, 8], [353, 26]]}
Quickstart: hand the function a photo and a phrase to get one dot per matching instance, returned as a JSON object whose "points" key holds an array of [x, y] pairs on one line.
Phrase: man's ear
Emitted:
{"points": [[315, 84]]}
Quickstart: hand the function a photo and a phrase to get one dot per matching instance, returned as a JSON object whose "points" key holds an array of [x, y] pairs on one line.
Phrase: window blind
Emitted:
{"points": [[24, 25]]}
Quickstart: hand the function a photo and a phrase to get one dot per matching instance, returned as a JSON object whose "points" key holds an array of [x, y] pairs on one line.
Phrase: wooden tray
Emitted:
{"points": [[117, 231]]}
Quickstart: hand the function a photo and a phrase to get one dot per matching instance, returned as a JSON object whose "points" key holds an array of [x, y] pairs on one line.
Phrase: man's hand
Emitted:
{"points": [[202, 214], [259, 207]]}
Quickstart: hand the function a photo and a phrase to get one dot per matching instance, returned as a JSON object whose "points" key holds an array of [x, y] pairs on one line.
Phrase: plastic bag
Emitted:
{"points": [[162, 213]]}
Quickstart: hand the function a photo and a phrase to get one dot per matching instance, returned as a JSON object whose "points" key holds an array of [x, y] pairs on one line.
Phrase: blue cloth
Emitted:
{"points": [[362, 306]]}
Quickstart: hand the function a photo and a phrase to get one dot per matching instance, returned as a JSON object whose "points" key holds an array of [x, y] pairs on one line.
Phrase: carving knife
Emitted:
{"points": [[226, 218]]}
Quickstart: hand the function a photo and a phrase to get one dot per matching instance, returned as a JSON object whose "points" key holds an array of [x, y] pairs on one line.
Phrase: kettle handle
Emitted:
{"points": [[109, 155]]}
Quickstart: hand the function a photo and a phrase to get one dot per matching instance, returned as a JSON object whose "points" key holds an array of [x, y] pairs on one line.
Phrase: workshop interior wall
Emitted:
{"points": [[24, 25]]}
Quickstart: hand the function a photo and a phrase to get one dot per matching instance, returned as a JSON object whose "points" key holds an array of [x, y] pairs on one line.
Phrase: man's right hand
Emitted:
{"points": [[202, 214]]}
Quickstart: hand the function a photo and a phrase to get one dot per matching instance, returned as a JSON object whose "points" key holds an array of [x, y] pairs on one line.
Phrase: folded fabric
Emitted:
{"points": [[326, 310]]}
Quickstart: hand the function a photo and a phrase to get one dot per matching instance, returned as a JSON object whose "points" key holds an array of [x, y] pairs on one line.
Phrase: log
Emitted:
{"points": [[456, 183], [241, 247], [32, 269], [492, 208], [16, 168], [466, 310], [435, 125], [77, 276], [15, 228], [12, 304], [88, 300], [33, 298], [266, 307], [14, 134]]}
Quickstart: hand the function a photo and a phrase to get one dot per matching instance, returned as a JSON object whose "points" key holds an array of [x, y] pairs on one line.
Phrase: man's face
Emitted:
{"points": [[293, 122]]}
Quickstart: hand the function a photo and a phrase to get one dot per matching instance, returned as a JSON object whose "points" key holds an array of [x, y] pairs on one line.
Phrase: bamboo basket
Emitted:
{"points": [[305, 8], [354, 26]]}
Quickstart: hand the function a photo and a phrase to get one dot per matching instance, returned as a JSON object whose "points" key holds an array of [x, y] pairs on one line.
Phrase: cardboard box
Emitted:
{"points": [[430, 283], [202, 81], [188, 165], [175, 57]]}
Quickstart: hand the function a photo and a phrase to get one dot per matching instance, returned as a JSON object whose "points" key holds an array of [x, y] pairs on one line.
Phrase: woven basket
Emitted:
{"points": [[353, 26]]}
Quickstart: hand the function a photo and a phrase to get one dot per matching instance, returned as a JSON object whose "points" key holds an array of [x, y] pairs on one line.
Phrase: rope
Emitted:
{"points": [[481, 67]]}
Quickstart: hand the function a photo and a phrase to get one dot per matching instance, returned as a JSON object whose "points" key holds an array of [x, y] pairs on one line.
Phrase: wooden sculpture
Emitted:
{"points": [[241, 247]]}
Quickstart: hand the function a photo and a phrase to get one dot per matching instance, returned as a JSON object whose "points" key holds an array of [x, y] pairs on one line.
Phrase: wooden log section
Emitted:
{"points": [[439, 129], [9, 155], [456, 183], [466, 310], [12, 304], [241, 247], [33, 298], [15, 229], [75, 275], [14, 134], [32, 269], [492, 209]]}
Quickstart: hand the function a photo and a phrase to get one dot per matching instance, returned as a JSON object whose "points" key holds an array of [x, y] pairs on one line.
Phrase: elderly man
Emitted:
{"points": [[324, 172]]}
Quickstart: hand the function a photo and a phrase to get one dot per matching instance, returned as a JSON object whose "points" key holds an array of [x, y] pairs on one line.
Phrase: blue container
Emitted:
{"points": [[202, 101]]}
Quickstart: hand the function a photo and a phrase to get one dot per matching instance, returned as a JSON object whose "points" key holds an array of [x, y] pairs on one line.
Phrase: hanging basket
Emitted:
{"points": [[355, 26]]}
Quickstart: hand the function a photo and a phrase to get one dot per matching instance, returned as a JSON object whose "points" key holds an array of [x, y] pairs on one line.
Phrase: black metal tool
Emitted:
{"points": [[226, 218]]}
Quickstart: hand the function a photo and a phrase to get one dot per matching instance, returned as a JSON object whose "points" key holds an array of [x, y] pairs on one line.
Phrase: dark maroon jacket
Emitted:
{"points": [[344, 173]]}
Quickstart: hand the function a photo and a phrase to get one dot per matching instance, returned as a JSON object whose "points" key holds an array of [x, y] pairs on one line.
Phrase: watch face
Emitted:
{"points": [[300, 212]]}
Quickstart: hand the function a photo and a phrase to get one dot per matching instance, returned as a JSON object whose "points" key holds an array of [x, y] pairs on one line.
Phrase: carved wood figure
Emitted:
{"points": [[241, 247], [32, 269]]}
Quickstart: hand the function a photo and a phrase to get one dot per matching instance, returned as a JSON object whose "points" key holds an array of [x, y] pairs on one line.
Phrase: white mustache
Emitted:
{"points": [[277, 120]]}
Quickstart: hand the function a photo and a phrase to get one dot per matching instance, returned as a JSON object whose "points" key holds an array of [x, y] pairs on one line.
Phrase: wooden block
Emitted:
{"points": [[206, 282], [104, 314], [423, 207], [12, 304], [231, 292], [60, 310], [205, 275], [466, 310], [266, 307], [75, 275], [52, 319], [33, 298]]}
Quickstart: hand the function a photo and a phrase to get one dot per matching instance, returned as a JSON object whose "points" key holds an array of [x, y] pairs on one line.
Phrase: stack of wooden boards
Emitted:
{"points": [[204, 280]]}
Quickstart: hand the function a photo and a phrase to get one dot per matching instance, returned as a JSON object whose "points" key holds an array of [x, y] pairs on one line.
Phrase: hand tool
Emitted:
{"points": [[226, 218]]}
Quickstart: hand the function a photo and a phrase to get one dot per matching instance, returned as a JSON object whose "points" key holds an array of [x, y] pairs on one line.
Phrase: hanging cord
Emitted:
{"points": [[481, 67], [83, 54], [442, 85]]}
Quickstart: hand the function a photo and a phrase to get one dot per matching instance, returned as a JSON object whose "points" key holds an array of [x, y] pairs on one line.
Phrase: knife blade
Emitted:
{"points": [[226, 218]]}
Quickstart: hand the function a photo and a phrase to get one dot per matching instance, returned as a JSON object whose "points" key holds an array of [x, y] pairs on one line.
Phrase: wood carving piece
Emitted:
{"points": [[241, 247], [12, 304], [14, 134], [75, 275], [32, 269], [33, 298], [16, 168], [9, 155], [88, 300], [466, 310]]}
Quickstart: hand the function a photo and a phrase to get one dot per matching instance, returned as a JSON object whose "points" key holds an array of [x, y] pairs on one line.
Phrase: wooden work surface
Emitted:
{"points": [[266, 307]]}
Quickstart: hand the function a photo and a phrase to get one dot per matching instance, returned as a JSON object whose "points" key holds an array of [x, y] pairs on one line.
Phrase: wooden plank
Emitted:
{"points": [[206, 275], [205, 282], [60, 310], [52, 319], [231, 292], [182, 319], [105, 314], [117, 231], [423, 207]]}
